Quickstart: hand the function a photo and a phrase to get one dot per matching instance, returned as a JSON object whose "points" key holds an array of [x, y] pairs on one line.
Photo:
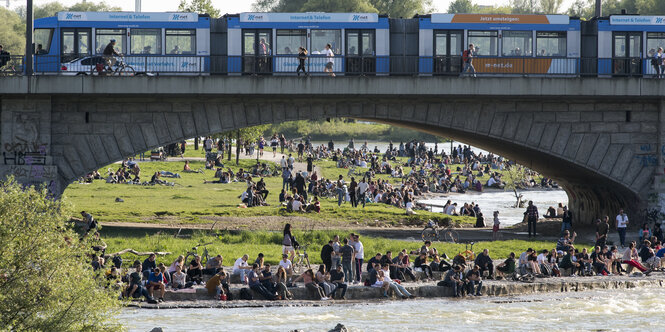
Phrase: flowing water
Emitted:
{"points": [[638, 309], [502, 201]]}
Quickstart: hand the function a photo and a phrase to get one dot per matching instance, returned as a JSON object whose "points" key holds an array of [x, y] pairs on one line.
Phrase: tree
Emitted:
{"points": [[247, 134], [516, 175], [462, 7], [402, 8], [199, 6], [339, 6], [46, 10], [93, 7], [12, 32], [550, 6], [46, 280], [524, 6]]}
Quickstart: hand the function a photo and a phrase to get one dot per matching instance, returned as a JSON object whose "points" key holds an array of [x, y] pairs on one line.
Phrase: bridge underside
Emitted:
{"points": [[604, 154]]}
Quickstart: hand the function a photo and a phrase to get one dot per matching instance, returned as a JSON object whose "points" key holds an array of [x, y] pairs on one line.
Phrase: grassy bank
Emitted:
{"points": [[341, 129], [232, 245], [192, 201]]}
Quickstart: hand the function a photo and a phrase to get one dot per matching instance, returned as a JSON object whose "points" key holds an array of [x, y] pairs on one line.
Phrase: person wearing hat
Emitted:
{"points": [[109, 53]]}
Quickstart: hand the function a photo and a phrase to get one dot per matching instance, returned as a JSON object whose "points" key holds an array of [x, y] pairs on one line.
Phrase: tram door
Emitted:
{"points": [[360, 52], [448, 48], [75, 44], [257, 51], [627, 53]]}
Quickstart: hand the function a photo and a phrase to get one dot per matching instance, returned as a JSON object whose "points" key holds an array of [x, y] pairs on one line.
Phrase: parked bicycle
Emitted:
{"points": [[432, 232], [204, 257], [301, 259]]}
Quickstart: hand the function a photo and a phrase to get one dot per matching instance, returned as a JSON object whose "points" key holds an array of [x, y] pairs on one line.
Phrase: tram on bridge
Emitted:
{"points": [[362, 43]]}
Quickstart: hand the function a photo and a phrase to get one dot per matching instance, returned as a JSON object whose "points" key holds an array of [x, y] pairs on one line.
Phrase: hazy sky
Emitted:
{"points": [[232, 6]]}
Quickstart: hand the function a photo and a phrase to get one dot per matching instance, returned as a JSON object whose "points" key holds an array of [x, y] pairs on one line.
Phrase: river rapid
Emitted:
{"points": [[638, 309]]}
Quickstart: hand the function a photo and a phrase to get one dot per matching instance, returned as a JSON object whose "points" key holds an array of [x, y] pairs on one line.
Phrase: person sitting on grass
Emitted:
{"points": [[308, 278], [507, 267], [135, 288], [218, 285], [195, 271], [156, 281], [314, 206]]}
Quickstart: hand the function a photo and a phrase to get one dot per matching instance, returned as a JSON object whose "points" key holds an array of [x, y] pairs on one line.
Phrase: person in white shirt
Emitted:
{"points": [[452, 209], [360, 255], [297, 205], [330, 61], [241, 268], [397, 288], [282, 162], [362, 191], [286, 264], [622, 224]]}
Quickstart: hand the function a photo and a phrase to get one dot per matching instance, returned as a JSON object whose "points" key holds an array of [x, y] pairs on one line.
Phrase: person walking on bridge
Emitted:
{"points": [[467, 58], [532, 217]]}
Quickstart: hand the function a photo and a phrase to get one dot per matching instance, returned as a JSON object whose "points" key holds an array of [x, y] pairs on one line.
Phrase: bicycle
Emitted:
{"points": [[122, 68], [300, 259], [431, 232], [204, 257], [12, 68]]}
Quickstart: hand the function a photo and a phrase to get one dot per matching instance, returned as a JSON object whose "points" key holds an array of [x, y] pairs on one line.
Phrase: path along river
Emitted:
{"points": [[639, 309]]}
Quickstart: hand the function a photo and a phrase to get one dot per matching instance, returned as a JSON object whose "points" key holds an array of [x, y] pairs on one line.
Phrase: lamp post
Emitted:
{"points": [[599, 8], [29, 38]]}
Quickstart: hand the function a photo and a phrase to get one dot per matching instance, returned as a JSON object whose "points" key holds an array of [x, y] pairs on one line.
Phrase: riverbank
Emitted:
{"points": [[367, 295]]}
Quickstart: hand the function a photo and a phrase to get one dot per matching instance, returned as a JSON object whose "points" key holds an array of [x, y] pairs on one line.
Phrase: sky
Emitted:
{"points": [[232, 6]]}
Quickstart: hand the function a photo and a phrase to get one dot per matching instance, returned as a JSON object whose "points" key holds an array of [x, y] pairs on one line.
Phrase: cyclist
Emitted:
{"points": [[109, 53]]}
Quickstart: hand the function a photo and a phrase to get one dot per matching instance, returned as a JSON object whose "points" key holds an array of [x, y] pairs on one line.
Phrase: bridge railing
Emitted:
{"points": [[321, 65]]}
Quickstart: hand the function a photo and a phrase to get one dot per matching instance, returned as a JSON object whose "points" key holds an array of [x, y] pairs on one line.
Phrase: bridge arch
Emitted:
{"points": [[585, 146]]}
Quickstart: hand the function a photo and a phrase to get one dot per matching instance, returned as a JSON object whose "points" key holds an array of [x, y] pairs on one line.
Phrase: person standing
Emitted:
{"points": [[602, 228], [532, 217], [657, 62], [326, 255], [621, 225], [362, 190], [467, 57], [347, 252], [302, 56], [360, 255], [330, 61], [340, 190], [352, 192], [566, 220]]}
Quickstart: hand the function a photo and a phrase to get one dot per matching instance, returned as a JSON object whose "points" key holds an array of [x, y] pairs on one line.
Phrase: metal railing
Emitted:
{"points": [[320, 65]]}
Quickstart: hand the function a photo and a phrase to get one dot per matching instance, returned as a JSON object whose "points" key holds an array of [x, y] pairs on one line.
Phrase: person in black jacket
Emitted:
{"points": [[484, 261], [302, 56], [326, 255]]}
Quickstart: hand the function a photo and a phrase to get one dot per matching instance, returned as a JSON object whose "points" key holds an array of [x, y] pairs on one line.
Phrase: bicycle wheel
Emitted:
{"points": [[428, 234], [126, 71], [451, 236]]}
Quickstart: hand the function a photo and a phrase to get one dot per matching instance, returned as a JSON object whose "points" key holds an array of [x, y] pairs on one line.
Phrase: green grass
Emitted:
{"points": [[191, 200], [232, 245]]}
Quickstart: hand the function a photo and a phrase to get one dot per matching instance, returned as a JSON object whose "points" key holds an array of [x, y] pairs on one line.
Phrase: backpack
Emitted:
{"points": [[245, 294], [465, 56]]}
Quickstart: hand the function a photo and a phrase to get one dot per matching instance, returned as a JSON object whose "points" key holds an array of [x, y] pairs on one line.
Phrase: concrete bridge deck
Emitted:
{"points": [[513, 87]]}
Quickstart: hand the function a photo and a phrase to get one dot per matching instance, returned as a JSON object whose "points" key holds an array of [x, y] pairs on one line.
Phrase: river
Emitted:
{"points": [[639, 309]]}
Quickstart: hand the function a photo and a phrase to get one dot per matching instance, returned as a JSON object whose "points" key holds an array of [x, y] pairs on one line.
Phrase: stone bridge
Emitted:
{"points": [[602, 139]]}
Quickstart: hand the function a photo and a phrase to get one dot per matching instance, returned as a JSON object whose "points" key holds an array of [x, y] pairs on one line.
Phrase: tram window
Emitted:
{"points": [[43, 37], [146, 41], [654, 41], [104, 36], [485, 42], [517, 43], [181, 41], [288, 41], [550, 44], [322, 37]]}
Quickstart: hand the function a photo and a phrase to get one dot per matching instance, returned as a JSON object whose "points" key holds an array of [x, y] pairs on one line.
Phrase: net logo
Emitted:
{"points": [[179, 17], [73, 16], [253, 17], [360, 18], [659, 20]]}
